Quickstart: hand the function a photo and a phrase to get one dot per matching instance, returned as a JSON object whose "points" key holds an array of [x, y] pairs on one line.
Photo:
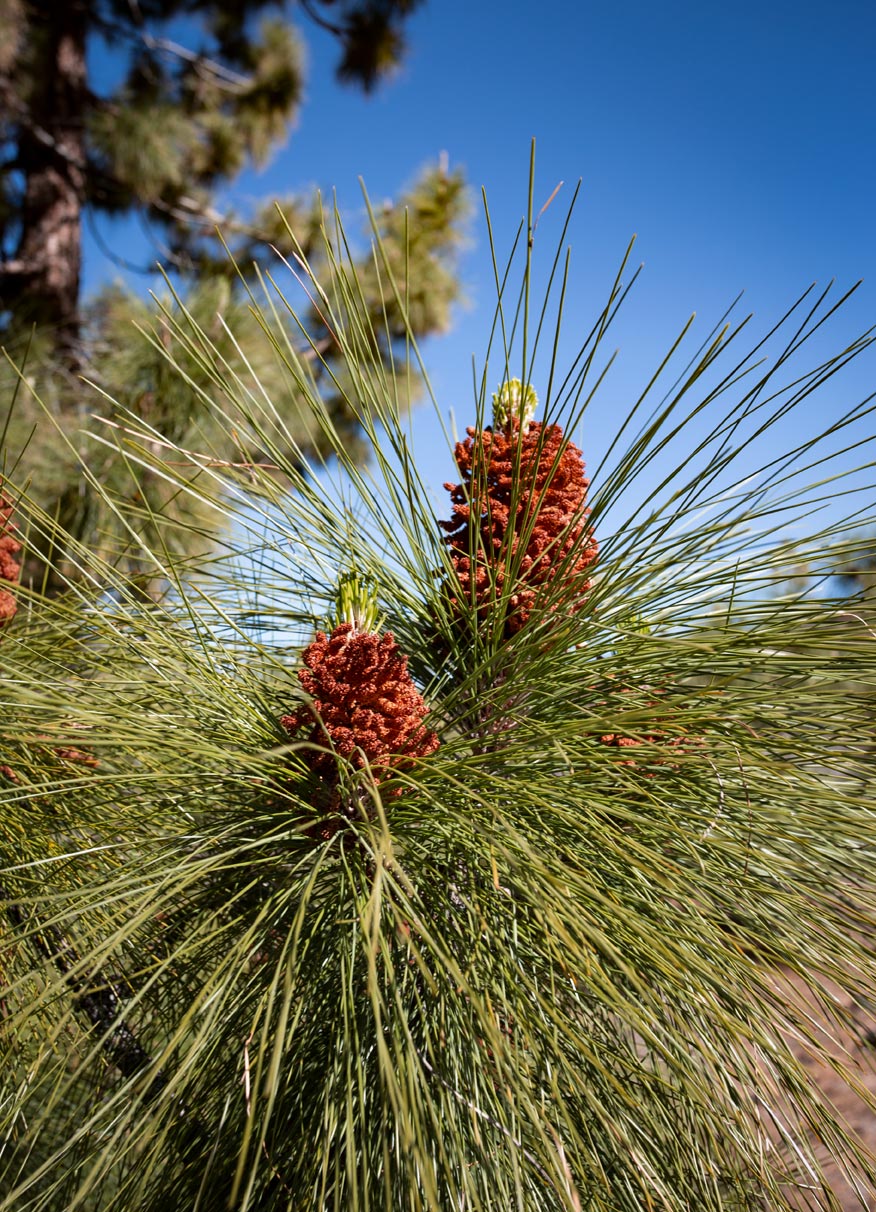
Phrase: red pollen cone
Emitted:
{"points": [[10, 568], [539, 477], [364, 700]]}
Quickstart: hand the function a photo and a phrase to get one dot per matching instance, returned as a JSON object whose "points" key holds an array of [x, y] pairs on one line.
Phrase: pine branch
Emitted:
{"points": [[398, 964], [96, 997], [203, 64], [322, 22], [110, 254]]}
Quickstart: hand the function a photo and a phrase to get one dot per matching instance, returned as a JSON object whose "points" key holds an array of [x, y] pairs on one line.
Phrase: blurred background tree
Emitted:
{"points": [[204, 88], [857, 569]]}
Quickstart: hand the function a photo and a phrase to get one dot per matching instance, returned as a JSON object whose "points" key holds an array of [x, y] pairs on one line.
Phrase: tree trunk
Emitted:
{"points": [[51, 156]]}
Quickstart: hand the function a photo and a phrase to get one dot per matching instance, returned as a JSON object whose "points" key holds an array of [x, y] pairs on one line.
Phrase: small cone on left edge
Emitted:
{"points": [[10, 568]]}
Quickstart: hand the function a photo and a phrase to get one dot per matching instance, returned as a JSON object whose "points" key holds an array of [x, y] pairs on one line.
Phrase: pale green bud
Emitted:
{"points": [[356, 603], [514, 402], [638, 624]]}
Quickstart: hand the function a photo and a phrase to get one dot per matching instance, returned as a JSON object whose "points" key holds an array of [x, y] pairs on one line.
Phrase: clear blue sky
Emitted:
{"points": [[738, 141]]}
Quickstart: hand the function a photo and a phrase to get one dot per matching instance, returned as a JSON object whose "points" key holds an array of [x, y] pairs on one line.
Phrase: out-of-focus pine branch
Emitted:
{"points": [[129, 339], [195, 103]]}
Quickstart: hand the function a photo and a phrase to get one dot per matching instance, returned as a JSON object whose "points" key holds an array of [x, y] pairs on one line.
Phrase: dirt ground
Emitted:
{"points": [[856, 1049]]}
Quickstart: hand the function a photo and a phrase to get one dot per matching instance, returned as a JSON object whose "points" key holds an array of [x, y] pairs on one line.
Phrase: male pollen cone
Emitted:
{"points": [[548, 534], [365, 700], [10, 569], [681, 742]]}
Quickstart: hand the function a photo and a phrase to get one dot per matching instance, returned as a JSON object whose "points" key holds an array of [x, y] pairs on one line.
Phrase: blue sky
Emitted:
{"points": [[738, 142]]}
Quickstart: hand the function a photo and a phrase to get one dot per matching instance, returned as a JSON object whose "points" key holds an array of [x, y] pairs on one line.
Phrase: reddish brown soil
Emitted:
{"points": [[854, 1047]]}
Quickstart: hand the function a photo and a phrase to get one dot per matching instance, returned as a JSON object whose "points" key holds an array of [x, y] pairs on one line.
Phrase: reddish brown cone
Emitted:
{"points": [[9, 566], [540, 476], [363, 700], [663, 735]]}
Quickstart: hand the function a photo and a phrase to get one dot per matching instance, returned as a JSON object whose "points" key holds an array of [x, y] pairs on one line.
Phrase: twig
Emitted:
{"points": [[190, 56], [717, 815], [314, 16]]}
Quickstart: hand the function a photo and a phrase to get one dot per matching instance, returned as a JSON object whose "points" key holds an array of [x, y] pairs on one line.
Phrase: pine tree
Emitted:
{"points": [[519, 862], [182, 122]]}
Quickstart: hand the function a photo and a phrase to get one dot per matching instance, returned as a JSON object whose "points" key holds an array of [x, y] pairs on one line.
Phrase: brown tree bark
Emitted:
{"points": [[41, 281]]}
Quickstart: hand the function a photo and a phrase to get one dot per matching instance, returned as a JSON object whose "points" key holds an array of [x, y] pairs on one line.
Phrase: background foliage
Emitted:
{"points": [[150, 109]]}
